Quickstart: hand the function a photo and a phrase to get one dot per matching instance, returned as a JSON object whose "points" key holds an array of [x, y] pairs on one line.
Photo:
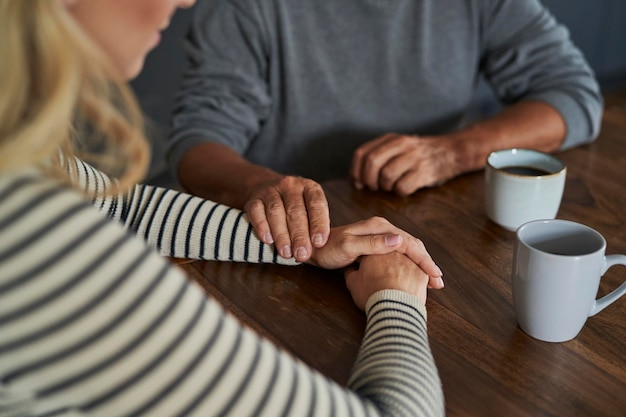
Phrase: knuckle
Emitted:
{"points": [[373, 160], [419, 244], [405, 187], [388, 174], [377, 222], [313, 186], [290, 182], [282, 239], [274, 209], [298, 238], [254, 205], [287, 179], [385, 177], [380, 221], [345, 244], [318, 204], [373, 241], [359, 153], [295, 210]]}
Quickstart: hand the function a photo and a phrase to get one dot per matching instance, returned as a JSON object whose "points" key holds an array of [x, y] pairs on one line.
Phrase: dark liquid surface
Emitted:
{"points": [[568, 244], [524, 170]]}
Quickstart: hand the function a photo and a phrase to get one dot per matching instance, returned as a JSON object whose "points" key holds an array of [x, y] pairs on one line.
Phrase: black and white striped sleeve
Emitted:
{"points": [[94, 323], [396, 338], [178, 224]]}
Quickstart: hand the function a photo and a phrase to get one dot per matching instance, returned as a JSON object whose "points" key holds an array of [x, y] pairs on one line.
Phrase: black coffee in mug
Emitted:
{"points": [[522, 185], [525, 170]]}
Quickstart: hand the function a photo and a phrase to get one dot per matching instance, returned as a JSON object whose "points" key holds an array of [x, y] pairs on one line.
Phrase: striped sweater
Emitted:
{"points": [[93, 322]]}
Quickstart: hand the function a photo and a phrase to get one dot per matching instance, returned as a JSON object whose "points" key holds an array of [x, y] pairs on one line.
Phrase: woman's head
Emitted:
{"points": [[125, 29], [62, 73]]}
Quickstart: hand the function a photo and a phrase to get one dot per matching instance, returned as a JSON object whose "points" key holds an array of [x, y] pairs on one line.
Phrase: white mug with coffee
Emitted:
{"points": [[557, 266], [522, 185]]}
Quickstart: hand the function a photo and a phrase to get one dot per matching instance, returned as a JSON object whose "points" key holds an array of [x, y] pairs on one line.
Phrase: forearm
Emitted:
{"points": [[184, 226], [408, 383], [178, 224], [526, 124], [216, 172]]}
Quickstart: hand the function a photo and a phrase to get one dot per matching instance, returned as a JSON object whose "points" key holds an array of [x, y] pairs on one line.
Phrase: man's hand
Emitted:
{"points": [[375, 235], [292, 213], [403, 163]]}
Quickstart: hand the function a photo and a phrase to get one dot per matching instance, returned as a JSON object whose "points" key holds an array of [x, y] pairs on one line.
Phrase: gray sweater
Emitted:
{"points": [[298, 85]]}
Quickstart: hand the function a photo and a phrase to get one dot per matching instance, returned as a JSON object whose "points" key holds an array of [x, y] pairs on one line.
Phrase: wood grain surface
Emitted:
{"points": [[488, 366]]}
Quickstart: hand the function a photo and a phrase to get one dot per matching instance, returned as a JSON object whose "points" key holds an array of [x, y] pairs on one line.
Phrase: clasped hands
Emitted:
{"points": [[292, 212]]}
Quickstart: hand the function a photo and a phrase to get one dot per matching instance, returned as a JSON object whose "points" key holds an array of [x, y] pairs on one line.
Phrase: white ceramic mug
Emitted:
{"points": [[522, 185], [557, 266]]}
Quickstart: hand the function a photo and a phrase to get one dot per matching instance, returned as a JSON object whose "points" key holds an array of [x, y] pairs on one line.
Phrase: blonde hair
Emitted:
{"points": [[60, 97]]}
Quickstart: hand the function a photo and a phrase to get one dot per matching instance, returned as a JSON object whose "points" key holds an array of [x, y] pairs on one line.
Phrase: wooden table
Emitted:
{"points": [[488, 366]]}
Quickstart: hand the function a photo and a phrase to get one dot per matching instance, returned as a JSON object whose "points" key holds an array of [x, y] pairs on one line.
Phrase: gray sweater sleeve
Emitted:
{"points": [[234, 48], [528, 56], [224, 95]]}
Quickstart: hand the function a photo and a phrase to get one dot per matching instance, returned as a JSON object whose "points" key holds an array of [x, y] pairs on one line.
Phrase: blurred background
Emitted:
{"points": [[597, 27]]}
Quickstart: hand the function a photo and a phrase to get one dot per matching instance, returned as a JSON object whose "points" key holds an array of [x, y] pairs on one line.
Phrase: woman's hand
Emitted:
{"points": [[392, 271], [374, 236]]}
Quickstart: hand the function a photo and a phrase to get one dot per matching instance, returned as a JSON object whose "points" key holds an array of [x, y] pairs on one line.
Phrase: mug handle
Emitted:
{"points": [[603, 302]]}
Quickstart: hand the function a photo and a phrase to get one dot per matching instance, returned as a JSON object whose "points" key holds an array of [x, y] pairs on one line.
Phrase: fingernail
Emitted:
{"points": [[318, 240], [440, 282], [286, 251], [440, 271], [268, 238], [393, 240], [301, 253], [358, 185]]}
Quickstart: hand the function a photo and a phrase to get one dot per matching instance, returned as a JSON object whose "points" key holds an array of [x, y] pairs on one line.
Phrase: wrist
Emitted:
{"points": [[460, 152], [403, 297], [258, 177], [470, 147]]}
